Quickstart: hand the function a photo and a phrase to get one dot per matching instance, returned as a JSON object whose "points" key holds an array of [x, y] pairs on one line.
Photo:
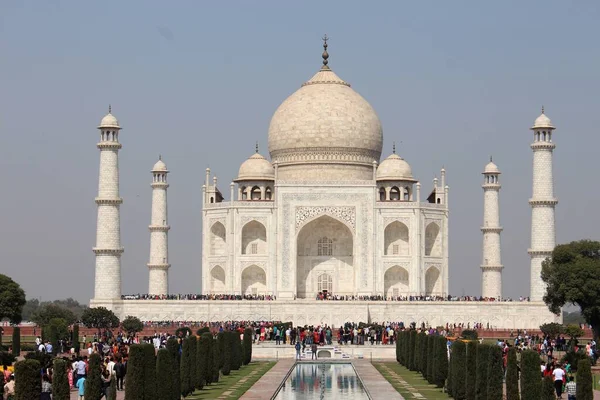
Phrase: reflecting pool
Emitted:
{"points": [[322, 381]]}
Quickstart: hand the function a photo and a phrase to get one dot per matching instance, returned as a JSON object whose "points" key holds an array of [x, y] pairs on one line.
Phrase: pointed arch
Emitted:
{"points": [[255, 193], [395, 281], [268, 193], [218, 239], [433, 242], [396, 241], [432, 282], [254, 280], [382, 194], [394, 193], [254, 238], [217, 280]]}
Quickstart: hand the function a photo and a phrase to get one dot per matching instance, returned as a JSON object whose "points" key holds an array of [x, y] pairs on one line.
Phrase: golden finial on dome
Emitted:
{"points": [[325, 54]]}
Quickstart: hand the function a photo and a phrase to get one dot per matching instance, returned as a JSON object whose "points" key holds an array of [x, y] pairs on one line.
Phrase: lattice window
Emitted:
{"points": [[325, 247], [254, 248], [325, 283]]}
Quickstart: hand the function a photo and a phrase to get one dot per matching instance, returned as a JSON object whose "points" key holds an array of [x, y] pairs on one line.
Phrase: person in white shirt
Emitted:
{"points": [[558, 375]]}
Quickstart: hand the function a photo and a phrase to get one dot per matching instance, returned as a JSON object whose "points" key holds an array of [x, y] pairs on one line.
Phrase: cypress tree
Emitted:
{"points": [[483, 351], [135, 373], [423, 362], [495, 374], [93, 381], [227, 355], [28, 384], [584, 380], [548, 392], [449, 380], [111, 393], [471, 371], [209, 343], [16, 342], [459, 371], [441, 362], [193, 360], [430, 358], [201, 362], [217, 356], [531, 384], [149, 372], [236, 359], [186, 385], [405, 348], [411, 349], [164, 369], [173, 348], [60, 381], [76, 344], [512, 375], [398, 341], [247, 346]]}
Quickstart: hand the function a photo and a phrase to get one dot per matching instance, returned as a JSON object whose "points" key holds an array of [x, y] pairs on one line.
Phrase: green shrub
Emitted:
{"points": [[165, 367], [398, 341], [216, 360], [111, 393], [183, 332], [227, 352], [247, 346], [430, 358], [60, 381], [423, 353], [459, 350], [16, 342], [186, 385], [531, 382], [149, 372], [441, 361], [42, 358], [201, 331], [173, 348], [584, 381], [471, 371], [28, 385], [483, 351], [548, 392], [194, 377], [76, 343], [495, 374], [209, 342], [93, 381], [573, 358], [236, 356], [201, 363], [411, 349], [135, 376], [469, 334], [512, 375]]}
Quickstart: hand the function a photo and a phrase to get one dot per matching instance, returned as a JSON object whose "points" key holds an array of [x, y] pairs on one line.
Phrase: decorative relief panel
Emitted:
{"points": [[213, 221], [245, 264], [389, 264], [436, 265], [247, 218], [287, 237], [389, 220], [346, 214]]}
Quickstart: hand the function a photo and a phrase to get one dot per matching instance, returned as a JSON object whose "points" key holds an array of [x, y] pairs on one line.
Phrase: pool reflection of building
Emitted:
{"points": [[331, 381]]}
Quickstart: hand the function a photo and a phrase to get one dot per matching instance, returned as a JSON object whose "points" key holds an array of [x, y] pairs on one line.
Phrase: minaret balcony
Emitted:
{"points": [[492, 229], [114, 252], [117, 201], [492, 267], [159, 185], [158, 266], [542, 146], [491, 186], [540, 252], [109, 145], [159, 228], [543, 202]]}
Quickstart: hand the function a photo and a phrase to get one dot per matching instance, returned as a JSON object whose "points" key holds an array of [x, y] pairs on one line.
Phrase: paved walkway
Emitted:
{"points": [[377, 386], [269, 382]]}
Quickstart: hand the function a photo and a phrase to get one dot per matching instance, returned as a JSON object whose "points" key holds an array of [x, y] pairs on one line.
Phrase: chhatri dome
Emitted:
{"points": [[325, 131], [542, 122], [109, 120], [256, 168], [160, 166], [491, 168], [394, 168]]}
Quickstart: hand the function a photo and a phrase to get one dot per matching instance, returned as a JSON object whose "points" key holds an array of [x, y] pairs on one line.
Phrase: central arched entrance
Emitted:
{"points": [[324, 258]]}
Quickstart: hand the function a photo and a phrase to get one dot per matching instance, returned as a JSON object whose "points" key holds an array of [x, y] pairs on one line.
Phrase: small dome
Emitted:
{"points": [[160, 166], [491, 168], [542, 122], [109, 121], [256, 168], [394, 168]]}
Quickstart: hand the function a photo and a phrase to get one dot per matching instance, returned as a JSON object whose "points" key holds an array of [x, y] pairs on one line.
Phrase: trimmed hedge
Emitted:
{"points": [[423, 353], [186, 382], [202, 362], [16, 342], [165, 368], [60, 381], [28, 386], [216, 360], [135, 373], [225, 348], [193, 360], [398, 341], [548, 392], [584, 381], [471, 371], [512, 375], [93, 380], [531, 382], [495, 374], [149, 372], [440, 361], [76, 344], [411, 349], [459, 353], [111, 393], [483, 351], [247, 346], [173, 348], [430, 358], [236, 355]]}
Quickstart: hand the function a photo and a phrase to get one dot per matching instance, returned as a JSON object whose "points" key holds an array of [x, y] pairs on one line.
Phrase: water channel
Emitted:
{"points": [[322, 381]]}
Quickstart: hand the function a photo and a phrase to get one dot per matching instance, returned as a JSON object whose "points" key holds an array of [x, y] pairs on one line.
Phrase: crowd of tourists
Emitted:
{"points": [[198, 297]]}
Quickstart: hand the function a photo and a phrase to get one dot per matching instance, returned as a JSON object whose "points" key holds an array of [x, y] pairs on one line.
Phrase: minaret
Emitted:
{"points": [[543, 235], [491, 266], [108, 248], [158, 265]]}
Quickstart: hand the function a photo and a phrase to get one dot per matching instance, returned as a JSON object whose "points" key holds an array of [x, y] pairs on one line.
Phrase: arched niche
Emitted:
{"points": [[254, 238], [396, 242], [217, 280], [254, 280], [395, 281], [433, 242], [218, 241]]}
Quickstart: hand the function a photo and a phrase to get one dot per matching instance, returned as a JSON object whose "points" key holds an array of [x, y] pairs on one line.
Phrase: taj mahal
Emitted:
{"points": [[326, 214]]}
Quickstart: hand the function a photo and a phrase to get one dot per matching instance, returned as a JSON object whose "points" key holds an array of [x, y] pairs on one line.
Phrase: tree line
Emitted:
{"points": [[469, 370]]}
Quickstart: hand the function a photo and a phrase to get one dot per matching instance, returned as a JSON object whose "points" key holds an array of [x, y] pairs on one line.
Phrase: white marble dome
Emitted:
{"points": [[491, 168], [323, 123], [160, 166], [542, 122], [394, 168], [256, 168], [109, 121]]}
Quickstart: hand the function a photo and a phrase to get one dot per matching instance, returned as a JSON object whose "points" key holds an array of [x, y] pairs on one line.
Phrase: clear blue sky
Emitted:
{"points": [[198, 82]]}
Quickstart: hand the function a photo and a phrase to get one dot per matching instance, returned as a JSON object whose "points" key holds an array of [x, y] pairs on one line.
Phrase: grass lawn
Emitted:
{"points": [[236, 384], [415, 383]]}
